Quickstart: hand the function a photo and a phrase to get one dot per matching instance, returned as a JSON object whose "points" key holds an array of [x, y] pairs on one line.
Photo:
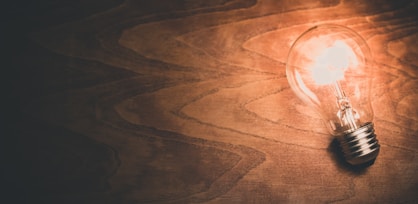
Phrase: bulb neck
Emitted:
{"points": [[360, 146]]}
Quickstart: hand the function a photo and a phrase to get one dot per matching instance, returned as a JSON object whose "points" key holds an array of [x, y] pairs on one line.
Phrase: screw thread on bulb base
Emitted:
{"points": [[360, 146]]}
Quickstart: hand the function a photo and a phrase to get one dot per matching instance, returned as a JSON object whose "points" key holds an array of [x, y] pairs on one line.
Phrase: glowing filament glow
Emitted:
{"points": [[329, 66]]}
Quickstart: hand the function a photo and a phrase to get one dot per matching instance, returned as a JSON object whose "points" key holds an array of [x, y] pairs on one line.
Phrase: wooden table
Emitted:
{"points": [[188, 101]]}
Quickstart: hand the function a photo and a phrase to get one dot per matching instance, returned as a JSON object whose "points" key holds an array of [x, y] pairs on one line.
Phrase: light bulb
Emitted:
{"points": [[330, 68]]}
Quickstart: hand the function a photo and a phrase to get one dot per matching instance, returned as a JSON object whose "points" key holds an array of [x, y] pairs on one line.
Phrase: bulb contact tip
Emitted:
{"points": [[360, 146]]}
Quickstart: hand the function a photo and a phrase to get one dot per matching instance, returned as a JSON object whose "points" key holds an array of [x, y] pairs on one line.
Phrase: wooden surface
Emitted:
{"points": [[187, 101]]}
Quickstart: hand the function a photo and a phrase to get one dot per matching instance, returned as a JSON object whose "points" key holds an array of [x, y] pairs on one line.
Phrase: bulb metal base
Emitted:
{"points": [[360, 146]]}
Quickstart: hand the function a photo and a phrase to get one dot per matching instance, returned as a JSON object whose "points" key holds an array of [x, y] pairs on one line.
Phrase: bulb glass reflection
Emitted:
{"points": [[330, 68]]}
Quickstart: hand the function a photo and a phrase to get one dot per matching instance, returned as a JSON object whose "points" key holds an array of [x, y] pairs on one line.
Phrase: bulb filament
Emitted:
{"points": [[347, 115]]}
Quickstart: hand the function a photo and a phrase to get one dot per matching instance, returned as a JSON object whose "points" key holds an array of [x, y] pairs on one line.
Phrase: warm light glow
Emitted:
{"points": [[329, 66]]}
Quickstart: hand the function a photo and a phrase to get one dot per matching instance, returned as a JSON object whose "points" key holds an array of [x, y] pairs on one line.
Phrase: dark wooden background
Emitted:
{"points": [[187, 101]]}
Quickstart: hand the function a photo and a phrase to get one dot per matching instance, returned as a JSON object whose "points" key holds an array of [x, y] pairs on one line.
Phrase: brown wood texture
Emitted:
{"points": [[187, 101]]}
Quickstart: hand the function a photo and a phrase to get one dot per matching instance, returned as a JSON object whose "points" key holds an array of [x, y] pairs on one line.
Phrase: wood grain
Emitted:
{"points": [[188, 101]]}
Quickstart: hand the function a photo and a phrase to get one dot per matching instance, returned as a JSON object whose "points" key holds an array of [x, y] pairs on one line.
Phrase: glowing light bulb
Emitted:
{"points": [[330, 68]]}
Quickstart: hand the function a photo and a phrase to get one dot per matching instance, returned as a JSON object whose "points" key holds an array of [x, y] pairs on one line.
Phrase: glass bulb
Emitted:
{"points": [[330, 68]]}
